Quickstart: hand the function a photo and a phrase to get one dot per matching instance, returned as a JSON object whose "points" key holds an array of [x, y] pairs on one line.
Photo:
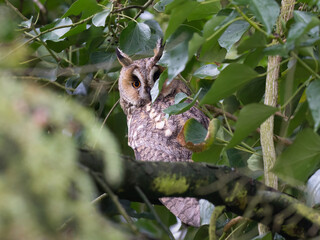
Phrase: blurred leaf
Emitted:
{"points": [[228, 82], [233, 34], [206, 209], [180, 96], [160, 6], [181, 107], [266, 11], [178, 15], [300, 159], [56, 35], [266, 236], [27, 24], [86, 7], [134, 37], [255, 162], [207, 71], [205, 9], [313, 189], [195, 137], [99, 20], [313, 97], [250, 118]]}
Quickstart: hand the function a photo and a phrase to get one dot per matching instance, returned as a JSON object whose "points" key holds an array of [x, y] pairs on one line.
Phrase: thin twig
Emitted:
{"points": [[147, 202], [144, 7], [115, 200]]}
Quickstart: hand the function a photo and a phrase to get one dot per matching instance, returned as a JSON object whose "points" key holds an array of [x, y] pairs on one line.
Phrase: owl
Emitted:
{"points": [[152, 135]]}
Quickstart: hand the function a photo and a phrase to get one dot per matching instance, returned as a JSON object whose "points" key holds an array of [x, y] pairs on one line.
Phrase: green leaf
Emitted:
{"points": [[27, 24], [266, 11], [134, 37], [301, 159], [233, 34], [252, 91], [232, 78], [156, 89], [99, 20], [182, 106], [58, 33], [194, 131], [176, 56], [313, 97], [205, 9], [255, 162], [250, 118], [181, 96], [195, 137], [86, 7], [194, 44], [257, 40], [160, 6], [207, 71], [179, 15]]}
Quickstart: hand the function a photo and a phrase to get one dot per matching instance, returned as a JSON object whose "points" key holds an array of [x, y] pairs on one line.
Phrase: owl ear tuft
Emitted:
{"points": [[158, 51], [123, 58]]}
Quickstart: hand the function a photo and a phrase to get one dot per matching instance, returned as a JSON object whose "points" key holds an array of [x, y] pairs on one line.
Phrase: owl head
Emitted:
{"points": [[138, 77]]}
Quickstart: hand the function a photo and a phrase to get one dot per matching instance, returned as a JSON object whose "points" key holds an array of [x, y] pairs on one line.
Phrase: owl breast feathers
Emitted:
{"points": [[151, 135]]}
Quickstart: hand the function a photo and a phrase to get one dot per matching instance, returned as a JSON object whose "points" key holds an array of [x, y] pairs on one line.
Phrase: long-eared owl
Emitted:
{"points": [[151, 135]]}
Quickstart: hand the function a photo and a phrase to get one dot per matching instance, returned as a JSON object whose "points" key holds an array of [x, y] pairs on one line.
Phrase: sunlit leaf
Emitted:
{"points": [[207, 71], [58, 33], [250, 118], [156, 89], [99, 20], [232, 78], [313, 97], [300, 159]]}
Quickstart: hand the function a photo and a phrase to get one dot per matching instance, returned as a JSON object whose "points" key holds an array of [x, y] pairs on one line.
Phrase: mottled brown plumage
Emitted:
{"points": [[151, 135]]}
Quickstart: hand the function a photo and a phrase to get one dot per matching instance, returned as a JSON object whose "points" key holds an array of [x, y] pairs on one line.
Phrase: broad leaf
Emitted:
{"points": [[313, 97], [250, 118], [86, 7], [182, 106], [313, 189], [232, 78], [266, 11], [205, 9], [195, 137], [160, 6], [207, 71], [176, 56], [134, 37], [58, 33], [301, 159], [179, 15], [233, 34], [99, 20], [156, 89]]}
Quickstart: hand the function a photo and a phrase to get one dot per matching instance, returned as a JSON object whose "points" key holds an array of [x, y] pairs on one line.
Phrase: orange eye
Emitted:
{"points": [[136, 82]]}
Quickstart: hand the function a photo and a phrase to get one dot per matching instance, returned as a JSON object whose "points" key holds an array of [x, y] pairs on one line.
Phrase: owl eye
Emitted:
{"points": [[156, 75], [136, 82]]}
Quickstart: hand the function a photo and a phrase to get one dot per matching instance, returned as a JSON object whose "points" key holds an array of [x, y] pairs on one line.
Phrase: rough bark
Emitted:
{"points": [[219, 185]]}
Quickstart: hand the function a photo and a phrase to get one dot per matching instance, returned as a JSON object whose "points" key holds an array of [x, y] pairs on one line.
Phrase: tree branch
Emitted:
{"points": [[218, 184]]}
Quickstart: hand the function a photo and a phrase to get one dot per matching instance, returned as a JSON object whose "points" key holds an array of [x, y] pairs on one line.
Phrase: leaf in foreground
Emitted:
{"points": [[301, 159]]}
